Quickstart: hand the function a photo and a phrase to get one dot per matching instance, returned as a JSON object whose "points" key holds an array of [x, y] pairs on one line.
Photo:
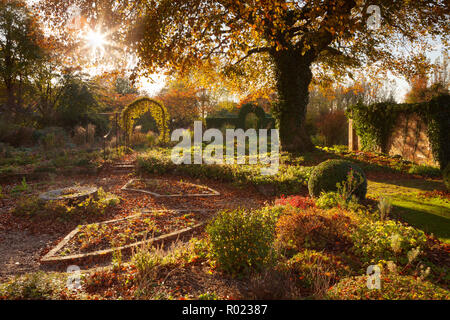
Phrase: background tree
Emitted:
{"points": [[326, 121], [78, 105], [429, 84], [115, 93], [20, 52], [185, 104], [47, 89], [123, 86]]}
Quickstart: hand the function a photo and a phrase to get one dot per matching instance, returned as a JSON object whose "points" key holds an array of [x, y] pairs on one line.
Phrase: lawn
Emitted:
{"points": [[429, 212]]}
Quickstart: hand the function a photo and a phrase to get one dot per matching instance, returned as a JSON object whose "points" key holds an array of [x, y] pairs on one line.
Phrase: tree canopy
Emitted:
{"points": [[298, 39]]}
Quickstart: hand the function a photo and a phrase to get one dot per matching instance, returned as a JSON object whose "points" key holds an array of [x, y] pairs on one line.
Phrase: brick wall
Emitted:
{"points": [[409, 140]]}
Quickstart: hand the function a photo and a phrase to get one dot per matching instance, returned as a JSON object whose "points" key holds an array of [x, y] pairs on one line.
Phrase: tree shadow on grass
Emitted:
{"points": [[424, 185], [404, 186]]}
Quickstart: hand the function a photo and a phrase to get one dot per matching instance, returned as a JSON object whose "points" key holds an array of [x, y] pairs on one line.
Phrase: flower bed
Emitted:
{"points": [[102, 239], [117, 233], [166, 188]]}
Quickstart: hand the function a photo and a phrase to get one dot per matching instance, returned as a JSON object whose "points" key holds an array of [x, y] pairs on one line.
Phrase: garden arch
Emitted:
{"points": [[139, 107], [251, 109]]}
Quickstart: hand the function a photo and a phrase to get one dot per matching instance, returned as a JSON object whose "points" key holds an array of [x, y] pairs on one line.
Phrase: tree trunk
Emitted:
{"points": [[11, 107], [293, 77]]}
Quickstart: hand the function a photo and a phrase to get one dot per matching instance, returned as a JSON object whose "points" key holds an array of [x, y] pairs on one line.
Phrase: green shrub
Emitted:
{"points": [[393, 287], [208, 296], [425, 171], [241, 241], [334, 199], [15, 135], [151, 262], [51, 137], [376, 241], [147, 262], [318, 140], [328, 175], [327, 200], [446, 176], [33, 206], [23, 187]]}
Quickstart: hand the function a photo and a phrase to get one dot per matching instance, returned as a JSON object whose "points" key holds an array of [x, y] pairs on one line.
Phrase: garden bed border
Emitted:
{"points": [[157, 195], [51, 257]]}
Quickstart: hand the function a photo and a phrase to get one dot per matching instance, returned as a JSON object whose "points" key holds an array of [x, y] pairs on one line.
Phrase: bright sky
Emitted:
{"points": [[152, 86]]}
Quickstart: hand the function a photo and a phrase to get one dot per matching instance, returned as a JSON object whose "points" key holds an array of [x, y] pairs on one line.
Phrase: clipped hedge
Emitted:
{"points": [[375, 124], [289, 180], [219, 122], [238, 121], [328, 174]]}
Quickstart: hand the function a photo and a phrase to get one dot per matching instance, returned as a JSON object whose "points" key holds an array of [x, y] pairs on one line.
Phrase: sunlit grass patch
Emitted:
{"points": [[431, 214]]}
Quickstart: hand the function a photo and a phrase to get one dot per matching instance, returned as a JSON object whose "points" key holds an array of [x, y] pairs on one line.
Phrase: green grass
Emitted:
{"points": [[432, 215], [403, 186]]}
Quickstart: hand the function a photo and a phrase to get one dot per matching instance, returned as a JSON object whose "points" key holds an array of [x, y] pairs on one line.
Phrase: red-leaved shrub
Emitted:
{"points": [[314, 229], [296, 201]]}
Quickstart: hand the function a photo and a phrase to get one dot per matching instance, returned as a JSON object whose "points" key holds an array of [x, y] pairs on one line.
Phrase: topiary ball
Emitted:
{"points": [[446, 176], [328, 174]]}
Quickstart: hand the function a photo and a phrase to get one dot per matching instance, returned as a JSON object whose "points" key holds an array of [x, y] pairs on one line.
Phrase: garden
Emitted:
{"points": [[242, 242], [93, 205]]}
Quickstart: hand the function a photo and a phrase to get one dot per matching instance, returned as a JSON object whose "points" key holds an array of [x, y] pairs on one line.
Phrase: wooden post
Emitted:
{"points": [[353, 139], [117, 133]]}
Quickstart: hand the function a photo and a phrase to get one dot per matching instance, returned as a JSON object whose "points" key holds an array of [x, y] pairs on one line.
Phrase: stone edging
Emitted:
{"points": [[51, 257], [157, 195], [80, 194]]}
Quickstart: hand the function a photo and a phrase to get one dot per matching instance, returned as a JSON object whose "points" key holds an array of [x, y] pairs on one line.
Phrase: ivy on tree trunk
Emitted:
{"points": [[293, 77]]}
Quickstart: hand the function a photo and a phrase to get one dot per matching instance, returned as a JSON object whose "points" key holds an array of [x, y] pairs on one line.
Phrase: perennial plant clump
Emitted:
{"points": [[241, 241]]}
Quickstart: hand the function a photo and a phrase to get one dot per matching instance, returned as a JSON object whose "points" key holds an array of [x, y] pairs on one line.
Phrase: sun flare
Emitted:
{"points": [[96, 40]]}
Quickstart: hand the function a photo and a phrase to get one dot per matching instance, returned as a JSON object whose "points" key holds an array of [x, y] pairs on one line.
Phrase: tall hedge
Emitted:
{"points": [[238, 120], [375, 124]]}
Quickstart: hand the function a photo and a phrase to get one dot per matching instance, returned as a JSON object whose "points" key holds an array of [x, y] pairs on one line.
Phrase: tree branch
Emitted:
{"points": [[252, 51]]}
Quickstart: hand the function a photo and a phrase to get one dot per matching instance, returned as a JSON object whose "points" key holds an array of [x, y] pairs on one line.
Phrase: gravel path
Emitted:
{"points": [[19, 252]]}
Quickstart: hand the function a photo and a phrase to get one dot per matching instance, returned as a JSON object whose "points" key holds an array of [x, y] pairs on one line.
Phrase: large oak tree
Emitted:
{"points": [[296, 36]]}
